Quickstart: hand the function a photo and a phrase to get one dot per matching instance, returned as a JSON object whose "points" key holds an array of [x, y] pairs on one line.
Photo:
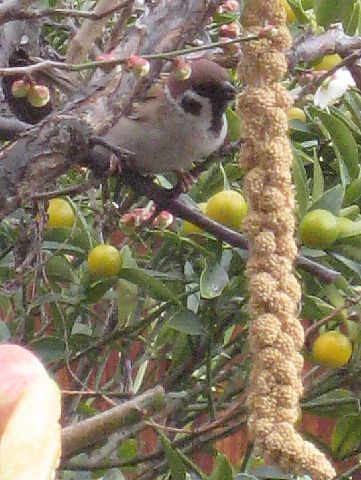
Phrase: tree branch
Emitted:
{"points": [[94, 429], [177, 205], [15, 13], [10, 127], [37, 159]]}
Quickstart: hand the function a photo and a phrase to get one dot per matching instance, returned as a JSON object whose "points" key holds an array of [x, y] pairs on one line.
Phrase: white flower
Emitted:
{"points": [[333, 88]]}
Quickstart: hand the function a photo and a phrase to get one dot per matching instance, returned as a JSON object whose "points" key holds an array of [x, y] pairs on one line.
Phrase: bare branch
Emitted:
{"points": [[89, 31], [14, 14], [166, 200], [50, 64], [10, 127], [12, 5], [94, 429]]}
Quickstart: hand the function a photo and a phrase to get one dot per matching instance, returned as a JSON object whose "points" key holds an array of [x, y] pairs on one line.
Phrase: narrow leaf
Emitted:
{"points": [[318, 181], [300, 178], [175, 462], [343, 141], [222, 469], [151, 284]]}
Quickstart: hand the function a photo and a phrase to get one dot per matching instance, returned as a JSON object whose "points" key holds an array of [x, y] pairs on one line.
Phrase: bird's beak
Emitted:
{"points": [[229, 91]]}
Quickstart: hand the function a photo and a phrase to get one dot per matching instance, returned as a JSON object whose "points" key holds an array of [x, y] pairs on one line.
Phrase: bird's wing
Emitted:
{"points": [[141, 110]]}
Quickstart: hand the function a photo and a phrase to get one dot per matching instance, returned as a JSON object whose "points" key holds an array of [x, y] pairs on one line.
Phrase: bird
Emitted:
{"points": [[179, 122]]}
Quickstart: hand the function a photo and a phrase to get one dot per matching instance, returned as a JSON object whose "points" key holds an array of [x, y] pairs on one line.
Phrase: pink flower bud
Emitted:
{"points": [[20, 88], [230, 48], [181, 68], [268, 32], [230, 30], [229, 6], [38, 95], [108, 57], [163, 220], [139, 65]]}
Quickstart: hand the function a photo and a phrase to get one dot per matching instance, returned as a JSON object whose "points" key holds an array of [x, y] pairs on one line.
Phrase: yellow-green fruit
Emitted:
{"points": [[291, 17], [60, 213], [346, 227], [332, 349], [296, 114], [227, 207], [104, 261], [327, 62], [318, 229], [189, 228]]}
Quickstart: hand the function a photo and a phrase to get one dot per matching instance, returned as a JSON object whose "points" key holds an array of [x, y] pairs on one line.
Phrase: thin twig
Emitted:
{"points": [[350, 59], [64, 12], [61, 192], [333, 314], [49, 64]]}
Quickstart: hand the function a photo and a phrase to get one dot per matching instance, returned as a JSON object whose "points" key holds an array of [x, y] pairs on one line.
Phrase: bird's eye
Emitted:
{"points": [[191, 105]]}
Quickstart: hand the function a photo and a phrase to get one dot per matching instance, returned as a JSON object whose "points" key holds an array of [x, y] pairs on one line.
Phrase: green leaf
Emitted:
{"points": [[327, 405], [175, 461], [213, 280], [332, 11], [81, 329], [127, 295], [146, 280], [128, 449], [353, 191], [331, 200], [352, 26], [222, 469], [298, 10], [49, 348], [186, 321], [346, 435], [97, 290], [58, 269], [318, 181], [351, 18], [350, 264], [113, 474], [344, 143], [4, 332], [234, 125], [127, 257], [300, 179], [352, 100]]}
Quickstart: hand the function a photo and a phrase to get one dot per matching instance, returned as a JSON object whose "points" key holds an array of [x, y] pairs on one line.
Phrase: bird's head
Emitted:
{"points": [[207, 91]]}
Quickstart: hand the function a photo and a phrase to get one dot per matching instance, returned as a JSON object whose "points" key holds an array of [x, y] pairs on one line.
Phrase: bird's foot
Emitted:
{"points": [[185, 181]]}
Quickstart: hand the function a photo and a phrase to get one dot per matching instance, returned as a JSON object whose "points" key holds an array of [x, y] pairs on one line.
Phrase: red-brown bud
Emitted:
{"points": [[163, 220], [181, 68], [108, 57], [229, 6], [139, 65], [230, 48], [230, 30]]}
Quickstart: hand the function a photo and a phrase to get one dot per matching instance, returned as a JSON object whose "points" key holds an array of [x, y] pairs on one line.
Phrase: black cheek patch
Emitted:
{"points": [[190, 105]]}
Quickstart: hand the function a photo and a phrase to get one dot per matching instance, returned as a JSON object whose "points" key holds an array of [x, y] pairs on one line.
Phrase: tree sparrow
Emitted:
{"points": [[181, 121]]}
